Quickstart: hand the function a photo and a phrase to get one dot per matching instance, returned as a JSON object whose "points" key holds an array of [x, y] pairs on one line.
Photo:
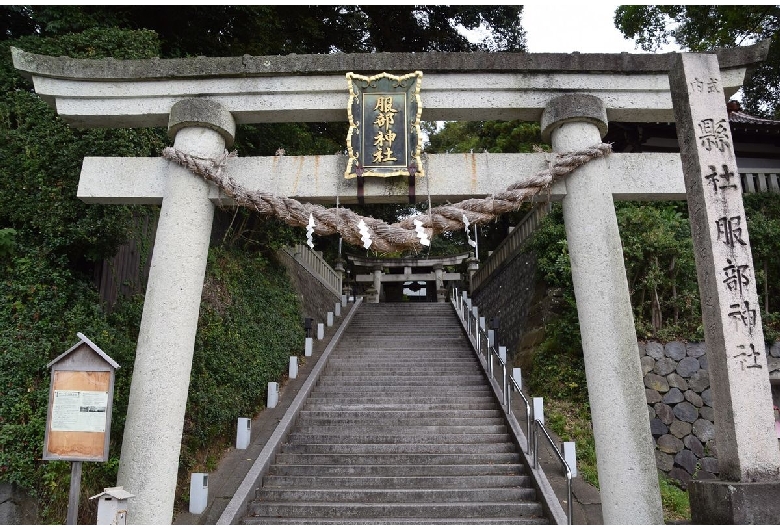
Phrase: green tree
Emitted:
{"points": [[704, 27], [278, 30]]}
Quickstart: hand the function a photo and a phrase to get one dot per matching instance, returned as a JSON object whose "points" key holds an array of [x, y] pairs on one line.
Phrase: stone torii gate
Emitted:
{"points": [[573, 95], [437, 275]]}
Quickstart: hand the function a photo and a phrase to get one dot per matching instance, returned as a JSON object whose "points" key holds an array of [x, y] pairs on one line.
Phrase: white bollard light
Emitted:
{"points": [[330, 318], [482, 323], [491, 337], [337, 310], [570, 455], [273, 394], [344, 300], [517, 373], [243, 433], [538, 409], [502, 353], [320, 331], [308, 348], [199, 492], [293, 370]]}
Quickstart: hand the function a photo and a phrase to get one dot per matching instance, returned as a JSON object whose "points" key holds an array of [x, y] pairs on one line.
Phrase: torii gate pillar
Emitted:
{"points": [[628, 478], [158, 395]]}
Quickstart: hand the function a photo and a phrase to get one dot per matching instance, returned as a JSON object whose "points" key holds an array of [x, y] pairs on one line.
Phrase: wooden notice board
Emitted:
{"points": [[78, 421]]}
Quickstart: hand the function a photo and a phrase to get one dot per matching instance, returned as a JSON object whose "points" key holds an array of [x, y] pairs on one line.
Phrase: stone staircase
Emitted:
{"points": [[402, 428]]}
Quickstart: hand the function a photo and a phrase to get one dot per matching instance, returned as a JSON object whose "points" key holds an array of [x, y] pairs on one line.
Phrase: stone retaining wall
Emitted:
{"points": [[508, 294], [316, 298], [679, 402]]}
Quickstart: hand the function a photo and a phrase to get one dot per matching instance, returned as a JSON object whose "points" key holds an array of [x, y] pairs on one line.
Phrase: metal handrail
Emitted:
{"points": [[537, 425], [504, 388], [532, 450], [527, 412]]}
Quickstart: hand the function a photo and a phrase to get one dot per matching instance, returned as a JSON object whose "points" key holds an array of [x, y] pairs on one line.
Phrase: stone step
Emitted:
{"points": [[460, 471], [432, 511], [412, 365], [347, 419], [396, 459], [363, 371], [400, 415], [480, 447], [397, 495], [403, 379], [416, 482], [394, 521], [424, 395], [389, 438], [380, 428], [457, 348], [395, 405], [408, 391]]}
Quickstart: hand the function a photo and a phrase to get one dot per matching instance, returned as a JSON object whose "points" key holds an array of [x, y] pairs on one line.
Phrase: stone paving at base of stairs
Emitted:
{"points": [[235, 463]]}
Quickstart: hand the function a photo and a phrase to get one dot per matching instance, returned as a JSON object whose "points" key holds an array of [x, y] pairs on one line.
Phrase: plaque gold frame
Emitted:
{"points": [[408, 85]]}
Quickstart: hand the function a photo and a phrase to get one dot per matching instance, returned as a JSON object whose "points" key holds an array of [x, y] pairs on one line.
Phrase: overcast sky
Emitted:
{"points": [[563, 27]]}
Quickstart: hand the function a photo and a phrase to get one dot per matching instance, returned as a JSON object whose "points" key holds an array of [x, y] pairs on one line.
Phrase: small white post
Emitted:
{"points": [[517, 373], [199, 492], [482, 323], [293, 370], [570, 455], [243, 433], [491, 337], [273, 394], [337, 309], [344, 300], [112, 506], [538, 407], [502, 353], [330, 318], [308, 348], [320, 331]]}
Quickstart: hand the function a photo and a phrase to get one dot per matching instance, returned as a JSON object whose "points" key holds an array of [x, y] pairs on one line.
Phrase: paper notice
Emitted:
{"points": [[80, 411]]}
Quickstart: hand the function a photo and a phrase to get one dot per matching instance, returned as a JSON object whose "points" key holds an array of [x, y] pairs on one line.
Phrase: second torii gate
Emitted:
{"points": [[574, 95]]}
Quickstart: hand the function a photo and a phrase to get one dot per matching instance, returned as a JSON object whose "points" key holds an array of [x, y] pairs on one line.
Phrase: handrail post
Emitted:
{"points": [[506, 392]]}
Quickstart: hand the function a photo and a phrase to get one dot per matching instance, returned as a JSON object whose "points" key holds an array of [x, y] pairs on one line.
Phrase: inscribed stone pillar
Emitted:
{"points": [[158, 395], [628, 478], [438, 272], [472, 266], [339, 268], [377, 283], [739, 378]]}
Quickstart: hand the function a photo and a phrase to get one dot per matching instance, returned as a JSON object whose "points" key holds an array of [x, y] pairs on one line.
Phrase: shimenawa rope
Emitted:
{"points": [[386, 237]]}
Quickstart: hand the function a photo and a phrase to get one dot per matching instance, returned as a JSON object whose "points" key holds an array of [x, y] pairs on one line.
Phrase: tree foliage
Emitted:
{"points": [[704, 27], [212, 30]]}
